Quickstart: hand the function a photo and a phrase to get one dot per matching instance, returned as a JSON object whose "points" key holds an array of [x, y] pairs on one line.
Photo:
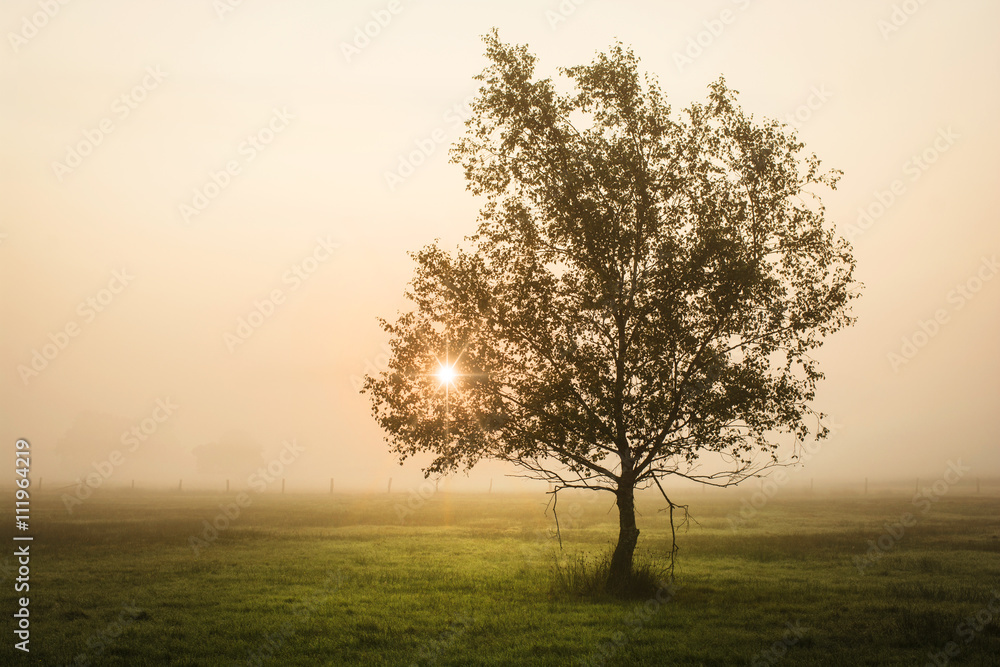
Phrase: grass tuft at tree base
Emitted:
{"points": [[583, 576]]}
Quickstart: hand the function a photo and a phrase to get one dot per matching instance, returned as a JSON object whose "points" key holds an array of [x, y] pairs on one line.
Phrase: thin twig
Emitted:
{"points": [[673, 529], [555, 501]]}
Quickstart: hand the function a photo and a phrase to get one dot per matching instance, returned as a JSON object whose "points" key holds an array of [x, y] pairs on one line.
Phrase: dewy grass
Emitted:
{"points": [[471, 580]]}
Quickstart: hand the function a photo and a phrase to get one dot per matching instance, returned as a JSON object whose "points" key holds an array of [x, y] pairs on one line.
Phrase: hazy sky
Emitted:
{"points": [[180, 163]]}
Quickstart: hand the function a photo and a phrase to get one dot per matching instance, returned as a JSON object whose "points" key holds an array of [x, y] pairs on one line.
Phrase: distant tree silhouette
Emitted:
{"points": [[639, 301]]}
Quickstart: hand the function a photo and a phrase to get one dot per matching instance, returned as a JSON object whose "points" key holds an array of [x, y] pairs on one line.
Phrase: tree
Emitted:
{"points": [[639, 301]]}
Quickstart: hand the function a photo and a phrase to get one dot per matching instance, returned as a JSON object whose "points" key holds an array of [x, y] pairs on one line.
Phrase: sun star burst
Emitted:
{"points": [[446, 373]]}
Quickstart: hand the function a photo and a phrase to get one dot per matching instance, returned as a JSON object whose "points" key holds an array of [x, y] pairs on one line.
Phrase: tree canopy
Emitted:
{"points": [[641, 296]]}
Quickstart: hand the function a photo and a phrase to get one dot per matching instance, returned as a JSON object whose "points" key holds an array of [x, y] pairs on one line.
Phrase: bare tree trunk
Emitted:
{"points": [[628, 536]]}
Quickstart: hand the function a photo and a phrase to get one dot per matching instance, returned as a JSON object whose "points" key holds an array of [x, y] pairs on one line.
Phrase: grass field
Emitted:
{"points": [[467, 580]]}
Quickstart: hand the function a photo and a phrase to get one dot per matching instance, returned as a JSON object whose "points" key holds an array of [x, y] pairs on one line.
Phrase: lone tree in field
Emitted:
{"points": [[639, 301]]}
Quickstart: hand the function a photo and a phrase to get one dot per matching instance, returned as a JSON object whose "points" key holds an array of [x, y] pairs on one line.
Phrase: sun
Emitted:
{"points": [[446, 373]]}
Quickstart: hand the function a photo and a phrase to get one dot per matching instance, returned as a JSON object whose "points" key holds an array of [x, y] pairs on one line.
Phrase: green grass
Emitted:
{"points": [[469, 580]]}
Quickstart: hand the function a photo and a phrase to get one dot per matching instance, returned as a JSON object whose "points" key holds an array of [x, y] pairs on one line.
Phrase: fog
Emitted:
{"points": [[207, 205]]}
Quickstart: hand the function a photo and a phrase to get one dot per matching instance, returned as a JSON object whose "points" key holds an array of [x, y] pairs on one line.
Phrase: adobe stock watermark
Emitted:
{"points": [[704, 39], [372, 367], [634, 622], [771, 485], [427, 145], [264, 308], [923, 501], [432, 651], [818, 96], [35, 23], [301, 612], [418, 497], [88, 309], [899, 16], [133, 439], [257, 482], [774, 653], [121, 108], [542, 543], [966, 631], [247, 152], [101, 641], [224, 7], [562, 12], [958, 297], [364, 34], [914, 168], [769, 488]]}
